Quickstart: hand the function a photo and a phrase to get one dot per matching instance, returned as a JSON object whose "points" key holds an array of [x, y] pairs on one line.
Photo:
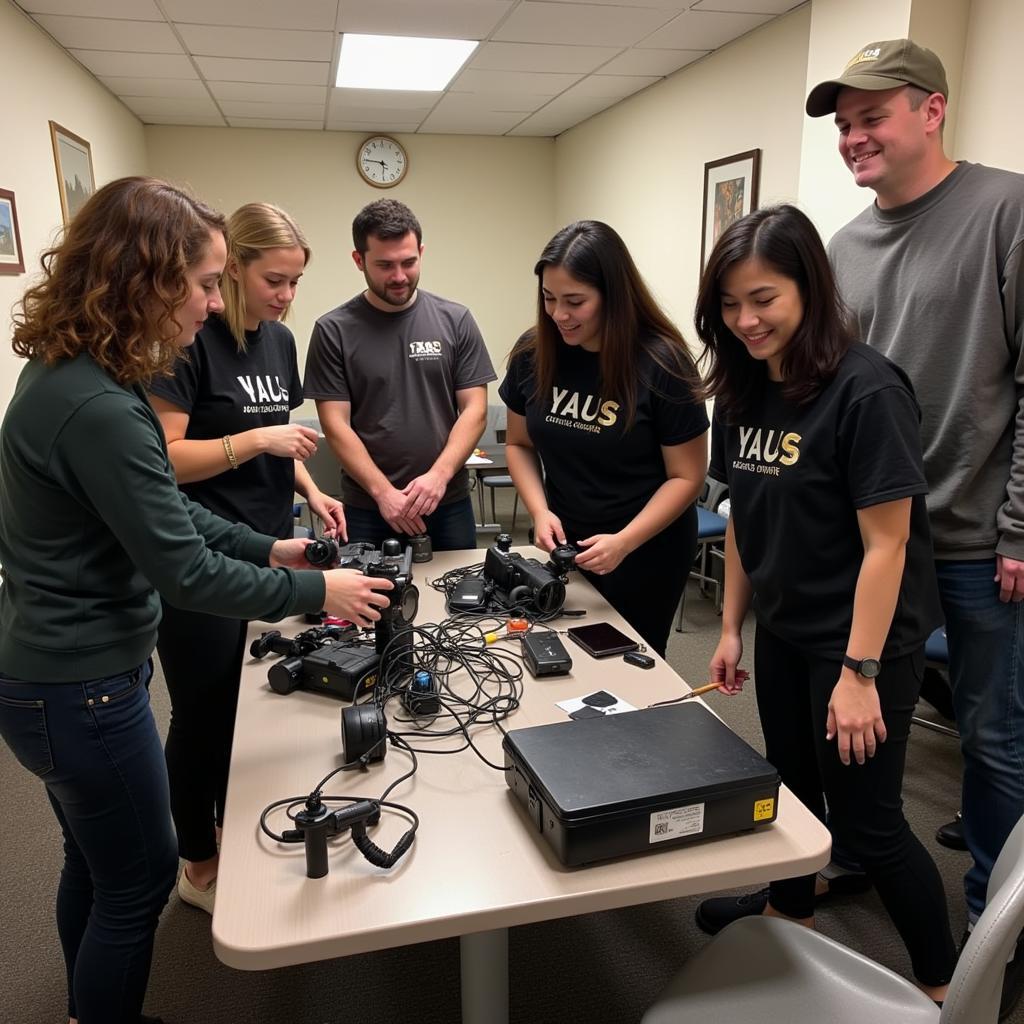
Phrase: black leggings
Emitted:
{"points": [[647, 586], [201, 657], [864, 801]]}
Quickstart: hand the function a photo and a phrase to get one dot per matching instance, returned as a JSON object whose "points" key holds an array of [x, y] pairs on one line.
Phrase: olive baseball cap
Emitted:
{"points": [[880, 66]]}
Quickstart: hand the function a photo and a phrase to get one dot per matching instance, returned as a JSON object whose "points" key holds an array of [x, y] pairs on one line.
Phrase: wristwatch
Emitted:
{"points": [[866, 667]]}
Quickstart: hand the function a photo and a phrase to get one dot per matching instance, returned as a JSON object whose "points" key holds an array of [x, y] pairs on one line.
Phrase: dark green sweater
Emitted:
{"points": [[93, 528]]}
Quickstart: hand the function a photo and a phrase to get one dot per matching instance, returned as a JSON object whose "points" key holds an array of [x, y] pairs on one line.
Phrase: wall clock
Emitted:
{"points": [[382, 161]]}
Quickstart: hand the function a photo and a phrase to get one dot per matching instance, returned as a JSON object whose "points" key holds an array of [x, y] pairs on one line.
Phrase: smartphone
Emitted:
{"points": [[601, 639]]}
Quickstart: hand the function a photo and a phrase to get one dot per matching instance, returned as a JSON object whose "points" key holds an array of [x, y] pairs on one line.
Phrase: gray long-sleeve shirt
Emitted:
{"points": [[937, 285]]}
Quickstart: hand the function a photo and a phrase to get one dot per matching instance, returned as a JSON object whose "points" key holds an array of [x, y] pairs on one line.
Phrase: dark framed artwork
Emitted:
{"points": [[75, 179], [730, 192], [12, 259]]}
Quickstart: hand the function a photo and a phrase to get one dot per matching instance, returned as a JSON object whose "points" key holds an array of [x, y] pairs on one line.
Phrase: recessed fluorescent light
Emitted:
{"points": [[400, 62]]}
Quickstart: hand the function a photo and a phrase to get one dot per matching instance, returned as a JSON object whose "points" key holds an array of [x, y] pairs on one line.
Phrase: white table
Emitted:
{"points": [[477, 868]]}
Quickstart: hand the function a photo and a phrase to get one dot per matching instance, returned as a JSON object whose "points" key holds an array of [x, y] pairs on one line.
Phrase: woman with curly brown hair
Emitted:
{"points": [[93, 530]]}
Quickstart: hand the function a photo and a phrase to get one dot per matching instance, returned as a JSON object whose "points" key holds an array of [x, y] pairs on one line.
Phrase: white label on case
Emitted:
{"points": [[680, 821]]}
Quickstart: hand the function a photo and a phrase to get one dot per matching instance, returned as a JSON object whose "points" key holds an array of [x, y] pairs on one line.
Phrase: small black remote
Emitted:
{"points": [[638, 659]]}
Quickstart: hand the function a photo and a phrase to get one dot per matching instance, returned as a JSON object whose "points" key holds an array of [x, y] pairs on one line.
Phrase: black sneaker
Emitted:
{"points": [[951, 834], [714, 914]]}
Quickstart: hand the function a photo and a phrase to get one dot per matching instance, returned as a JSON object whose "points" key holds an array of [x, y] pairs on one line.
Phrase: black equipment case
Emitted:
{"points": [[635, 781]]}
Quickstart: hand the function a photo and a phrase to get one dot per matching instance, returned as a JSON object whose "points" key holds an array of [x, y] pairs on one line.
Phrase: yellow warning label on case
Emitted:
{"points": [[764, 809]]}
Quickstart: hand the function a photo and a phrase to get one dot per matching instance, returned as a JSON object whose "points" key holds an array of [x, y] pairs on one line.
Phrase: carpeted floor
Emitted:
{"points": [[600, 969]]}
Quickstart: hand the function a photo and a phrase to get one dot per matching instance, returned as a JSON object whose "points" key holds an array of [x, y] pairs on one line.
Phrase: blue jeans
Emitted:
{"points": [[986, 672], [95, 746], [451, 527]]}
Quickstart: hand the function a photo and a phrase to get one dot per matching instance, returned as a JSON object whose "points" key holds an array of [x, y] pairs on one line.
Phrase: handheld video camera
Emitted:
{"points": [[526, 582], [325, 659]]}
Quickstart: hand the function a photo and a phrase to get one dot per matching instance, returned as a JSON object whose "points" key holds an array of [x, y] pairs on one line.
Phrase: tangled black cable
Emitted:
{"points": [[316, 799], [459, 644]]}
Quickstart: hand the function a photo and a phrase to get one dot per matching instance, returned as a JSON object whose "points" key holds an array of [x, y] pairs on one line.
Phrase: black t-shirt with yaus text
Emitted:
{"points": [[225, 391], [797, 475], [599, 475]]}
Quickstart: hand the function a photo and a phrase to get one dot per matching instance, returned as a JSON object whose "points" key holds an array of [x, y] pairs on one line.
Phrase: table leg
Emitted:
{"points": [[485, 977]]}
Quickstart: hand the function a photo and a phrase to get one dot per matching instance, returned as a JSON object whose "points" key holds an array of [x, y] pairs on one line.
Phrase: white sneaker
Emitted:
{"points": [[201, 898]]}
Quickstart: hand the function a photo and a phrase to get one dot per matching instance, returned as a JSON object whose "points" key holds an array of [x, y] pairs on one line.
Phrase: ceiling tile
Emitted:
{"points": [[702, 30], [373, 127], [667, 5], [383, 116], [148, 65], [611, 88], [105, 33], [169, 87], [373, 99], [132, 10], [540, 57], [481, 103], [160, 106], [309, 14], [272, 44], [267, 93], [585, 24], [651, 62], [287, 111], [537, 83], [445, 19], [191, 122], [274, 72], [469, 123], [258, 122], [748, 6], [539, 126]]}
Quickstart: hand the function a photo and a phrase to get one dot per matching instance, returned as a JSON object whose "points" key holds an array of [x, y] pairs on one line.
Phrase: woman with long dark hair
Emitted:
{"points": [[603, 391], [817, 437], [93, 530]]}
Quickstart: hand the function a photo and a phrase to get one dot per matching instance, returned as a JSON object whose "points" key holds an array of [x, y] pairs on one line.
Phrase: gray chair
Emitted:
{"points": [[773, 971], [710, 532], [494, 482]]}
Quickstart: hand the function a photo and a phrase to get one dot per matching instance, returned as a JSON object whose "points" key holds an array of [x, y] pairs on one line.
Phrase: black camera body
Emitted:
{"points": [[526, 582], [327, 553], [403, 600], [325, 659], [341, 669]]}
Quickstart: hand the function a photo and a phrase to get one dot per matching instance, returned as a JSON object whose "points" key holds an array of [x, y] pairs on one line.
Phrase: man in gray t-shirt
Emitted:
{"points": [[400, 381]]}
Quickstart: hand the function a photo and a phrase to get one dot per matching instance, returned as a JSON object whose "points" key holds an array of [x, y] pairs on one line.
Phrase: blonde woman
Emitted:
{"points": [[225, 415]]}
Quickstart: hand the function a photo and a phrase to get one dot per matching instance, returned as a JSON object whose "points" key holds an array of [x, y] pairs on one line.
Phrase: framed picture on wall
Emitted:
{"points": [[12, 260], [75, 179], [730, 192]]}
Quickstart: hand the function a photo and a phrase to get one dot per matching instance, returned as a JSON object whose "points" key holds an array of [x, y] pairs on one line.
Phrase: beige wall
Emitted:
{"points": [[486, 206], [989, 129], [640, 165], [44, 84]]}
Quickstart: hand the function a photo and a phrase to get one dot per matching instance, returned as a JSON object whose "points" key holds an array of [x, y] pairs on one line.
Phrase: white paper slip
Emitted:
{"points": [[479, 460]]}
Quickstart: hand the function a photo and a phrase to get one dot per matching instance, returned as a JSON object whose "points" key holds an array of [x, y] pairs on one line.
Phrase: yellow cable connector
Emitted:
{"points": [[491, 638]]}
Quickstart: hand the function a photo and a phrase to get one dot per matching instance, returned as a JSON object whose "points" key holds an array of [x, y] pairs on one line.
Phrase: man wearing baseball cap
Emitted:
{"points": [[933, 271]]}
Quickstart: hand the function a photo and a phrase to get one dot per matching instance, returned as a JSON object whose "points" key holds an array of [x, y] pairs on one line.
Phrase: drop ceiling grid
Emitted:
{"points": [[541, 67]]}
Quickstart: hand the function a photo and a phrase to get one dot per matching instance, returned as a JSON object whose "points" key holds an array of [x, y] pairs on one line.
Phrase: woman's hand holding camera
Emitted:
{"points": [[353, 596], [547, 531]]}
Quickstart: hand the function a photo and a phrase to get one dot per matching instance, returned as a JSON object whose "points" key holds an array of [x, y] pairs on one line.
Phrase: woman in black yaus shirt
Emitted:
{"points": [[603, 390], [818, 438]]}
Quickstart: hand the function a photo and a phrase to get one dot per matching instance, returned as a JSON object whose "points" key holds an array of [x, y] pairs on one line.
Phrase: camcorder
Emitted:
{"points": [[512, 581], [333, 659], [324, 659]]}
